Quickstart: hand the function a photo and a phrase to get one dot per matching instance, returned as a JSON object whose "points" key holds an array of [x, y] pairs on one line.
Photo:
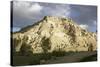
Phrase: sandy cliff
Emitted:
{"points": [[53, 34]]}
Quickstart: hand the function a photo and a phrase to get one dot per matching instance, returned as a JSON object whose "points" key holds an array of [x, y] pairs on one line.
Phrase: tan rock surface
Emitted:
{"points": [[54, 34]]}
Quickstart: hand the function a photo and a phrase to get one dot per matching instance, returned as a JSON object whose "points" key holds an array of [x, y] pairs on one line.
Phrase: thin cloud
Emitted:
{"points": [[84, 26], [27, 13], [26, 9], [61, 10], [35, 8]]}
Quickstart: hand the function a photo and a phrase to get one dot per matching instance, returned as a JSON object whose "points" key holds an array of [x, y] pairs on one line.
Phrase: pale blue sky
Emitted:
{"points": [[27, 13]]}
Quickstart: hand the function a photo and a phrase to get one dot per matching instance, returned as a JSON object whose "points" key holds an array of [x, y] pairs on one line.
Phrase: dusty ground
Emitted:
{"points": [[69, 57]]}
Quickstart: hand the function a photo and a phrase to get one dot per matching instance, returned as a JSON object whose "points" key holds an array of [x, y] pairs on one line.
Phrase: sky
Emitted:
{"points": [[26, 13]]}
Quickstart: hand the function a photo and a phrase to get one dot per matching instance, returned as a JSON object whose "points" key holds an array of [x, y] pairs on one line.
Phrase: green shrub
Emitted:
{"points": [[58, 53], [45, 44]]}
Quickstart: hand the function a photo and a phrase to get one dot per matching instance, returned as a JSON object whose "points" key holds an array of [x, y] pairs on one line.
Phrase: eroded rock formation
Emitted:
{"points": [[53, 34]]}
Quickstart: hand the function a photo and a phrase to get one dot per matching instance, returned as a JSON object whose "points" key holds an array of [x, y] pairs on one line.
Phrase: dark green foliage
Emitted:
{"points": [[64, 19], [45, 44], [72, 33], [58, 53], [83, 32], [90, 47], [55, 56], [24, 50], [89, 58], [15, 43], [46, 56]]}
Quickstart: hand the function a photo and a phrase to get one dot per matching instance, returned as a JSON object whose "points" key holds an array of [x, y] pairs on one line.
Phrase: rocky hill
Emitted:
{"points": [[53, 34]]}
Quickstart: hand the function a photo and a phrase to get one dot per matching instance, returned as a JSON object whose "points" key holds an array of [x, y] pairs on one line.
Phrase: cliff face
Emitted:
{"points": [[53, 34]]}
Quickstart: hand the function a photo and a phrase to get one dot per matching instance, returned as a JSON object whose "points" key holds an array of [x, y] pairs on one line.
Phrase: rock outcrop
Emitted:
{"points": [[53, 34]]}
